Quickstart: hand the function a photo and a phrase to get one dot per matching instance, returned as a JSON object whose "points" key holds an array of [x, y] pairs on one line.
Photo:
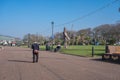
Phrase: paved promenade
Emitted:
{"points": [[16, 64]]}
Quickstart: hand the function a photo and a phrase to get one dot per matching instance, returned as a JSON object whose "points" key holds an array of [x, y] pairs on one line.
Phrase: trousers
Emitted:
{"points": [[35, 57]]}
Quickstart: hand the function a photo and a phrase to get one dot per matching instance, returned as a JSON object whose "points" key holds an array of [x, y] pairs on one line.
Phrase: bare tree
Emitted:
{"points": [[84, 36]]}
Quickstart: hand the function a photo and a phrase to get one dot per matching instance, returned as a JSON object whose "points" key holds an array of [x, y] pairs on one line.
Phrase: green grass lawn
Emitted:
{"points": [[81, 50], [84, 50]]}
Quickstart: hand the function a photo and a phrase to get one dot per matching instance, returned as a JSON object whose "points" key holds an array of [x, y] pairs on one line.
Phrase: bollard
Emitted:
{"points": [[106, 48], [92, 51]]}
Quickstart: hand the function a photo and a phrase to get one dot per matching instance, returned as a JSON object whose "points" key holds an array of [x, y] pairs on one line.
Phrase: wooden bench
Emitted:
{"points": [[113, 53]]}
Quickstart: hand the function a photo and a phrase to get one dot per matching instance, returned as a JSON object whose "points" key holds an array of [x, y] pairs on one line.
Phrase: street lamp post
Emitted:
{"points": [[52, 32], [93, 44]]}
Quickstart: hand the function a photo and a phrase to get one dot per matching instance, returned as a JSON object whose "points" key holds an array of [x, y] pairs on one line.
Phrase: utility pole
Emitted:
{"points": [[72, 35], [28, 40], [36, 37], [119, 5], [71, 30], [52, 32]]}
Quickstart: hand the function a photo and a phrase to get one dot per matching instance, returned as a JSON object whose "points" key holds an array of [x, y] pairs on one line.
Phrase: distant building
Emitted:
{"points": [[8, 40]]}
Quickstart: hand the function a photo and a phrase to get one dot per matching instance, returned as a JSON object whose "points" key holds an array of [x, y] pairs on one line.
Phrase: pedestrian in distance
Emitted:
{"points": [[35, 47]]}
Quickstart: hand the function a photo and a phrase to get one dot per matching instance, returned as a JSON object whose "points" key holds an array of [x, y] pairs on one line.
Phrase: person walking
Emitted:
{"points": [[35, 48]]}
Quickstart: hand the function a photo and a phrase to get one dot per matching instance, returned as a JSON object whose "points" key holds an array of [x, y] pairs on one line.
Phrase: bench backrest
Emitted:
{"points": [[114, 49]]}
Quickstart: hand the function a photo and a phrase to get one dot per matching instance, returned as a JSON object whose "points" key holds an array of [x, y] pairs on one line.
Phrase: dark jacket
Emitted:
{"points": [[35, 46]]}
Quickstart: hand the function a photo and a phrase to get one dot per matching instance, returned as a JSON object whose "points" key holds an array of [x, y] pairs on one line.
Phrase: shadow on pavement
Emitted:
{"points": [[53, 58], [106, 61], [20, 61]]}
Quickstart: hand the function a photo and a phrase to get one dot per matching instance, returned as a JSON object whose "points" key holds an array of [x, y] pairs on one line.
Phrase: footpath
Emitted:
{"points": [[16, 64]]}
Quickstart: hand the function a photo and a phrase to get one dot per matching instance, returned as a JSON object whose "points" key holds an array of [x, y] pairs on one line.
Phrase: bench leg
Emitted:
{"points": [[103, 57], [106, 57]]}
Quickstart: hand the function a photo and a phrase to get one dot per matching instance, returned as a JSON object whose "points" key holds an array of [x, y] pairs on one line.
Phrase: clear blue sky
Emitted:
{"points": [[20, 17]]}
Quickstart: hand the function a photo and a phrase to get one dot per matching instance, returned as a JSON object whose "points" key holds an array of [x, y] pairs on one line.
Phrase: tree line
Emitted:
{"points": [[103, 34]]}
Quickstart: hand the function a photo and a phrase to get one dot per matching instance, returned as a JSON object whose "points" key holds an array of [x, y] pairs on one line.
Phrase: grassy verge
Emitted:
{"points": [[84, 50]]}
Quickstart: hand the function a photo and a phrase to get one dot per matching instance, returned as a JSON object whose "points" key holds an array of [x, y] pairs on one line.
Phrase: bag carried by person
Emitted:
{"points": [[36, 51]]}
